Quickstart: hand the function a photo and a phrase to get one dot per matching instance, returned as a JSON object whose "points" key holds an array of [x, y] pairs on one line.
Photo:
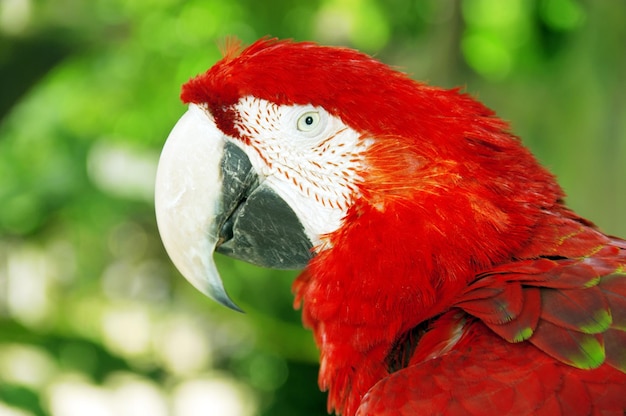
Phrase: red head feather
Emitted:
{"points": [[366, 94], [430, 139]]}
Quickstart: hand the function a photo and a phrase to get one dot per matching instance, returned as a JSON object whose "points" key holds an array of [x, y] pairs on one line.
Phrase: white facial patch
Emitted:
{"points": [[308, 156]]}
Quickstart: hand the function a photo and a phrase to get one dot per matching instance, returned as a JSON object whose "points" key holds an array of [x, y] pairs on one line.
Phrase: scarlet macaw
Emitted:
{"points": [[443, 273]]}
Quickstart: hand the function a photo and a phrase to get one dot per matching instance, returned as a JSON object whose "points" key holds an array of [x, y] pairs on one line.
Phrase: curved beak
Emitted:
{"points": [[208, 198], [187, 195]]}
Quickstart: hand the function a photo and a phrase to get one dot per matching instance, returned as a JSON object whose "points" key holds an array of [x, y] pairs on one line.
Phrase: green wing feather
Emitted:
{"points": [[572, 309]]}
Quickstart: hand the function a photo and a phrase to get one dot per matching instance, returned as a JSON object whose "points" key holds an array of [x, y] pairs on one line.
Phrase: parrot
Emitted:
{"points": [[441, 271]]}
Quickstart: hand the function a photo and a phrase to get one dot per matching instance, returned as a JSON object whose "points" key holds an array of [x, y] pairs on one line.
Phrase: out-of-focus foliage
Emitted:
{"points": [[94, 320]]}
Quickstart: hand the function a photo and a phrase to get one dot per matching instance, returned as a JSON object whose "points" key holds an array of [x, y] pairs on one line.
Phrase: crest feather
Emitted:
{"points": [[230, 47]]}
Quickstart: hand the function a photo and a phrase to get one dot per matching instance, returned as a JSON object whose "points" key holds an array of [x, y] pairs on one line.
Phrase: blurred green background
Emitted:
{"points": [[94, 320]]}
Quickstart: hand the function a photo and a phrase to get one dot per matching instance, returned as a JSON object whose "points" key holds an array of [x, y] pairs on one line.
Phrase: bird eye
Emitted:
{"points": [[308, 121]]}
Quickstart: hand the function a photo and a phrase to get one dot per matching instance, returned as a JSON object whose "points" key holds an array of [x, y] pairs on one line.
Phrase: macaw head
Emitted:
{"points": [[291, 151]]}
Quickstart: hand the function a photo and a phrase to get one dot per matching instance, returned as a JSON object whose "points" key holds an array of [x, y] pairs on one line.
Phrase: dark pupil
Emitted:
{"points": [[308, 120]]}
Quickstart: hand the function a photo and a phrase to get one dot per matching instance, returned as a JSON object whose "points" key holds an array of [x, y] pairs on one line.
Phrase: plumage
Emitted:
{"points": [[450, 277]]}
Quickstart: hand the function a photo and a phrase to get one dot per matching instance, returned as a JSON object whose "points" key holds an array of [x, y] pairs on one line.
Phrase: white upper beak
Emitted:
{"points": [[187, 199]]}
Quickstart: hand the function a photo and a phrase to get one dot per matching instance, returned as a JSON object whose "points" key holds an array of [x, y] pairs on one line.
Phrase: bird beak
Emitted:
{"points": [[209, 198], [187, 194]]}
